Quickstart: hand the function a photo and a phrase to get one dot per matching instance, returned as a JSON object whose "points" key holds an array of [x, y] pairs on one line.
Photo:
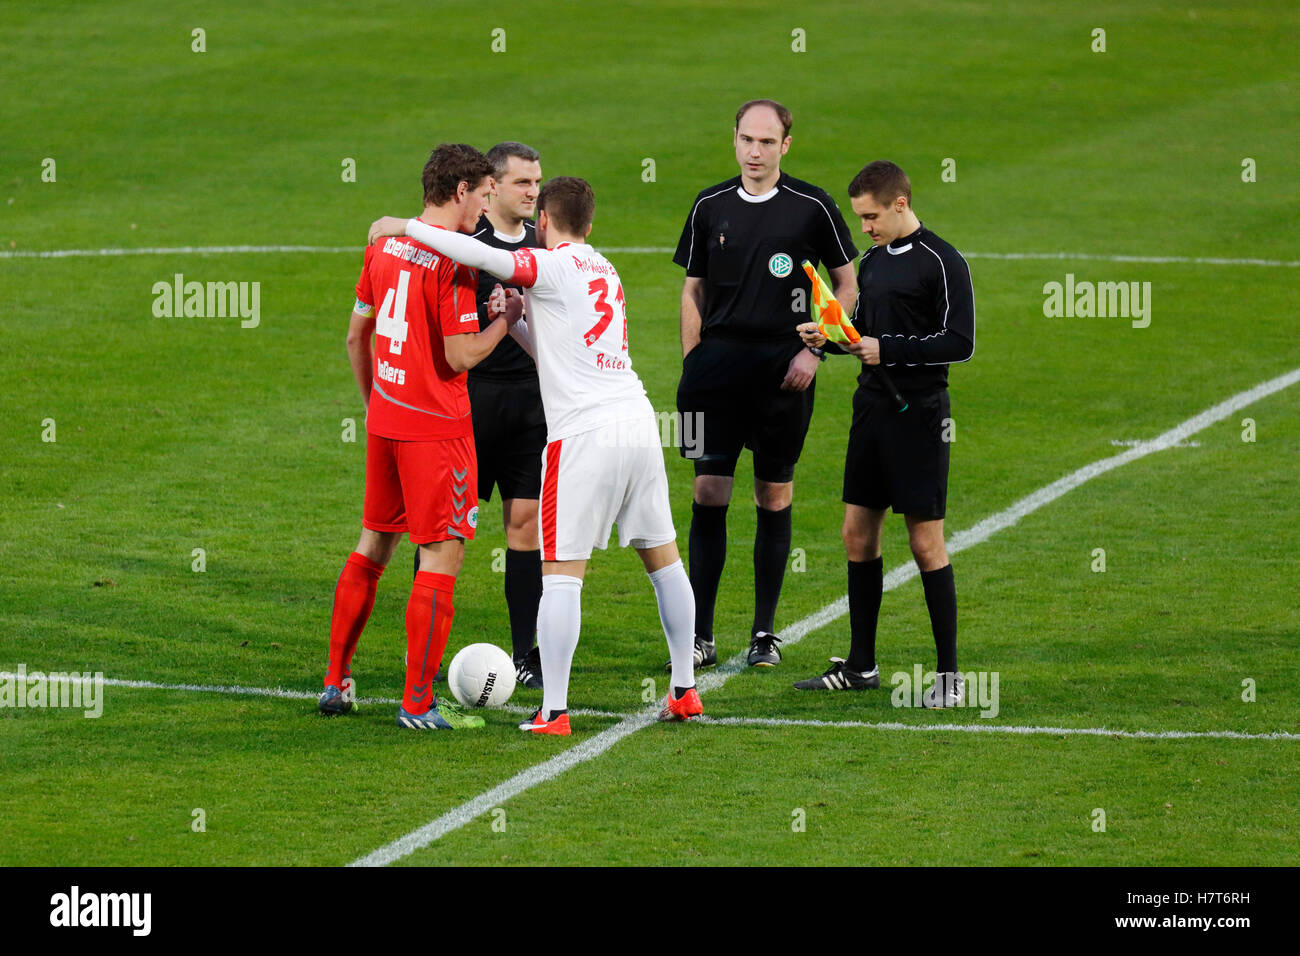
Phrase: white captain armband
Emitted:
{"points": [[363, 308]]}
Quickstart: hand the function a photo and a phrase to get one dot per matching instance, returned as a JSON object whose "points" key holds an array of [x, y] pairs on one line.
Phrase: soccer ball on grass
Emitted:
{"points": [[482, 675]]}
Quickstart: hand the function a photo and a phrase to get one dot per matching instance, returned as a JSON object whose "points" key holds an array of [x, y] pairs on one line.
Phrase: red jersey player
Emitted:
{"points": [[420, 461], [603, 462]]}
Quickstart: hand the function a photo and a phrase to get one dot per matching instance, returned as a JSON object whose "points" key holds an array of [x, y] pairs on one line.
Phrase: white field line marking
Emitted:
{"points": [[983, 728], [595, 746], [625, 250], [1133, 442], [277, 692]]}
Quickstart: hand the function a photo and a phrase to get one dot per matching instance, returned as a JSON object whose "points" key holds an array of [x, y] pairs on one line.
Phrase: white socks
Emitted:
{"points": [[559, 618], [677, 615]]}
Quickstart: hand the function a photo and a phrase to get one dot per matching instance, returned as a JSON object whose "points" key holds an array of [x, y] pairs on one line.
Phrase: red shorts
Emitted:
{"points": [[427, 488]]}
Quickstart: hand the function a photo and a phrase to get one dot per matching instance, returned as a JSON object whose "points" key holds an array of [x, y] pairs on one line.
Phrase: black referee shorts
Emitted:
{"points": [[509, 433], [898, 459], [731, 387]]}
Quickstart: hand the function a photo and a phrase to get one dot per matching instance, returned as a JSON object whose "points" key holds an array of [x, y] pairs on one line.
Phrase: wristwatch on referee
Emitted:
{"points": [[821, 356]]}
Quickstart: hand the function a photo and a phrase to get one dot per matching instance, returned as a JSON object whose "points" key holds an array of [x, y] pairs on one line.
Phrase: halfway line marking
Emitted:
{"points": [[626, 250], [982, 531], [278, 692]]}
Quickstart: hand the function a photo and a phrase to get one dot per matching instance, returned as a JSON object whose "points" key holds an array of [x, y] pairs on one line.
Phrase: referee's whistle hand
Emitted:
{"points": [[799, 375], [866, 349], [811, 337]]}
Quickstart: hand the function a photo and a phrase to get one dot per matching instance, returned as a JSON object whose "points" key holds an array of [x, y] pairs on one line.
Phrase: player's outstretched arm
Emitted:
{"points": [[465, 351], [464, 249], [509, 304]]}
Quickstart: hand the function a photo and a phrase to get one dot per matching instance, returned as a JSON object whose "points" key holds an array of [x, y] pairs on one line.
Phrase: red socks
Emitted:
{"points": [[428, 624], [354, 597]]}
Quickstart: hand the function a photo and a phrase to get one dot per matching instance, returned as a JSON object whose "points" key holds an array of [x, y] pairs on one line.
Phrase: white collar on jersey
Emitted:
{"points": [[899, 250], [749, 197], [523, 233]]}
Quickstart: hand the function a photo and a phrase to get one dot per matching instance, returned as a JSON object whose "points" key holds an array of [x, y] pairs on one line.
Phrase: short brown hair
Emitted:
{"points": [[569, 201], [450, 165], [782, 113], [885, 181], [499, 156]]}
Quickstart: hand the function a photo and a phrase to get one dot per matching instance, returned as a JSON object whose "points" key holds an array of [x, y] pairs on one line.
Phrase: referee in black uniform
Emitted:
{"points": [[916, 313], [746, 376], [506, 403]]}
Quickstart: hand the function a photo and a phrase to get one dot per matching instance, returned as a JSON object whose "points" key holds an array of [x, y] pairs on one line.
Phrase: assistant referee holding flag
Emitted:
{"points": [[745, 374], [916, 313]]}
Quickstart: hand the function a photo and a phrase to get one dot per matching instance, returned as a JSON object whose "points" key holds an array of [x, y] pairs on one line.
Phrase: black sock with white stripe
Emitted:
{"points": [[866, 584], [941, 600]]}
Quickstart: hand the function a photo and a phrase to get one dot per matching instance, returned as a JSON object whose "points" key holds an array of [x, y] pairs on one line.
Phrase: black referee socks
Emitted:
{"points": [[941, 600], [771, 554], [866, 583], [707, 553], [523, 594]]}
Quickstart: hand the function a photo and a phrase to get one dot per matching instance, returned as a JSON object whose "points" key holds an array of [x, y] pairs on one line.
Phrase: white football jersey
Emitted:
{"points": [[576, 313]]}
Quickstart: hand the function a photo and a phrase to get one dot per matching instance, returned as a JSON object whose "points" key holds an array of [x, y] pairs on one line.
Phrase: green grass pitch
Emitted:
{"points": [[1179, 141]]}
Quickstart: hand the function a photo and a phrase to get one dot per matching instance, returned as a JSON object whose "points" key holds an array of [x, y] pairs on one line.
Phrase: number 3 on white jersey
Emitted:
{"points": [[391, 322]]}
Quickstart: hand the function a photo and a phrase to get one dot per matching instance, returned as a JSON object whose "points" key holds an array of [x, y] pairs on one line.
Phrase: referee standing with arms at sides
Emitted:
{"points": [[916, 313], [745, 372], [506, 403]]}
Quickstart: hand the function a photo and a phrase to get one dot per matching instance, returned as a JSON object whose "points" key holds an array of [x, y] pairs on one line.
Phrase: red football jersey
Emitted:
{"points": [[421, 298]]}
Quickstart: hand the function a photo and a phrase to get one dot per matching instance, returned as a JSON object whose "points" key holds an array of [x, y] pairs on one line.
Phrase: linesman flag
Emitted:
{"points": [[835, 325], [827, 311]]}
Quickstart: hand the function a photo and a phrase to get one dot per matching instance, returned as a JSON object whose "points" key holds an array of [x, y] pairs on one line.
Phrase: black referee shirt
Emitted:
{"points": [[508, 360], [749, 250], [915, 295]]}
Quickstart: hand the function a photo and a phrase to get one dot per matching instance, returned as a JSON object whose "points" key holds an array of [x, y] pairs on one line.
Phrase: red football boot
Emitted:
{"points": [[686, 707], [536, 725]]}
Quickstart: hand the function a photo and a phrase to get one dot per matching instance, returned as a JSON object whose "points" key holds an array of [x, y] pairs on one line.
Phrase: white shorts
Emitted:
{"points": [[593, 480]]}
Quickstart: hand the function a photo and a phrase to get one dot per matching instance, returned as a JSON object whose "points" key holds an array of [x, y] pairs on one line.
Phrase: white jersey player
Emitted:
{"points": [[603, 463]]}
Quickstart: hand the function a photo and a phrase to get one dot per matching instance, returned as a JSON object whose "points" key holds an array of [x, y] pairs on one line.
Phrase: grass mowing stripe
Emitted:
{"points": [[638, 250], [594, 747], [1001, 729]]}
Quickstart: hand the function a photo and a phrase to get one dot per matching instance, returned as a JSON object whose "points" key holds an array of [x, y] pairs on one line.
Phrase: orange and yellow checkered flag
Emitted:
{"points": [[827, 311]]}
